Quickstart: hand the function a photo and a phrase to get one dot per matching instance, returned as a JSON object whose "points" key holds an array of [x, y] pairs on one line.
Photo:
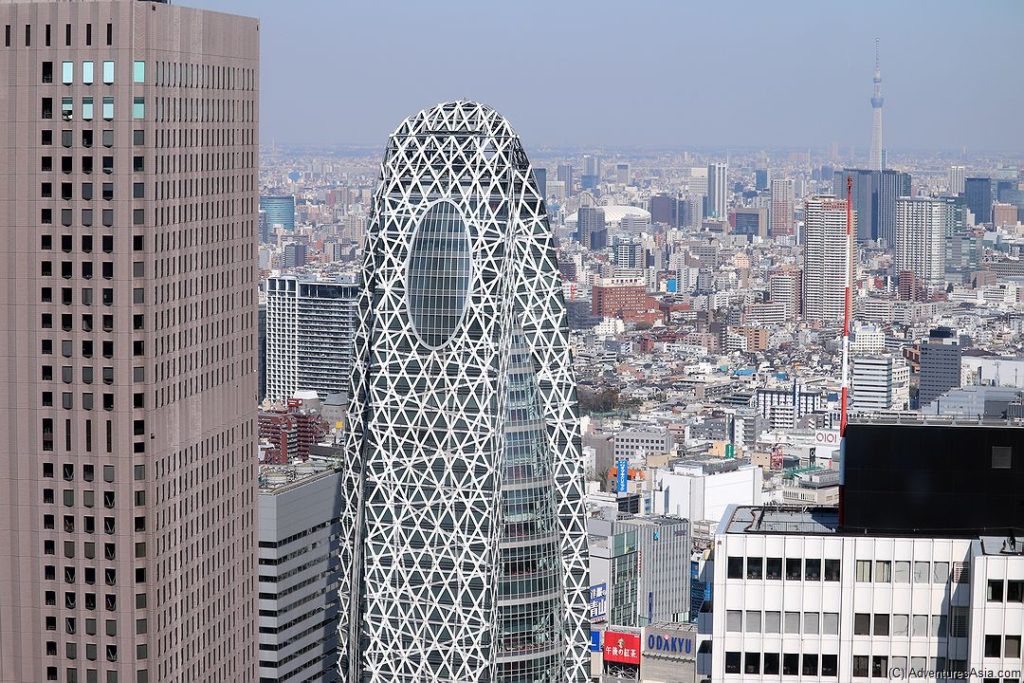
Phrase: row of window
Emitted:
{"points": [[47, 35], [106, 136], [826, 623], [88, 71], [67, 191], [67, 108], [827, 665], [787, 664], [877, 571], [67, 164], [1010, 591], [912, 625], [771, 568], [994, 646]]}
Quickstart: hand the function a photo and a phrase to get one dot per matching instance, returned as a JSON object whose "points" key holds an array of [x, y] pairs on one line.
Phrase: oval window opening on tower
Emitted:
{"points": [[438, 274]]}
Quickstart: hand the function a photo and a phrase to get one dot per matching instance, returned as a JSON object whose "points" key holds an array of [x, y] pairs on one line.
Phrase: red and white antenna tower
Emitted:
{"points": [[847, 308]]}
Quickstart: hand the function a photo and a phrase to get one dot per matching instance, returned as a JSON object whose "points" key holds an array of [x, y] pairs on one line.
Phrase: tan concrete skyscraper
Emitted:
{"points": [[128, 228]]}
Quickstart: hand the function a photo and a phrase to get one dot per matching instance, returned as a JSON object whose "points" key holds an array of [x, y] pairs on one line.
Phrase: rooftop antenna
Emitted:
{"points": [[847, 301]]}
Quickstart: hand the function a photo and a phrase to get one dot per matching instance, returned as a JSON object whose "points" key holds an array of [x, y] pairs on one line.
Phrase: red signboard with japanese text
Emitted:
{"points": [[623, 648]]}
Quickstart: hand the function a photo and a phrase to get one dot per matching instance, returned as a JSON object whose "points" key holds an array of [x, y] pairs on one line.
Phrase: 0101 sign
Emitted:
{"points": [[826, 437]]}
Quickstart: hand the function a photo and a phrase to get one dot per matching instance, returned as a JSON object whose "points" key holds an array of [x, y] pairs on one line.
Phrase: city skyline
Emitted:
{"points": [[934, 81]]}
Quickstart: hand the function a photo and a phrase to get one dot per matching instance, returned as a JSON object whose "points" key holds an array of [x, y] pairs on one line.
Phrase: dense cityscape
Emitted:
{"points": [[461, 408]]}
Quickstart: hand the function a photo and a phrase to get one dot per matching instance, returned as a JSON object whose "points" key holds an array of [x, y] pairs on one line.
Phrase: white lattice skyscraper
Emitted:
{"points": [[465, 523]]}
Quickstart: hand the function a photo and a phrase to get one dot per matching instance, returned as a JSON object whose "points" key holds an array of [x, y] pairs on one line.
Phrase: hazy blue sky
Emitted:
{"points": [[646, 73]]}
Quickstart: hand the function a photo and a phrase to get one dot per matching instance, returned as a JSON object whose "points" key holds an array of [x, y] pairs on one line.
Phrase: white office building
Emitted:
{"points": [[795, 598], [299, 515], [879, 383], [718, 190], [703, 489]]}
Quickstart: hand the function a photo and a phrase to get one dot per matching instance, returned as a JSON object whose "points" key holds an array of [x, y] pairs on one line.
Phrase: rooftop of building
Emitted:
{"points": [[276, 479], [1001, 545], [747, 519]]}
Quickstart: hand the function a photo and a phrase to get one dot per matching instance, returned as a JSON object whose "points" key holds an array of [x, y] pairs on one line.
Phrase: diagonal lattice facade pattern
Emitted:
{"points": [[464, 521]]}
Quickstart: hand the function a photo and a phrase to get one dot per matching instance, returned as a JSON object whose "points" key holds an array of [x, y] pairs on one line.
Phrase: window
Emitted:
{"points": [[67, 73], [940, 572], [138, 137], [958, 622], [922, 572], [771, 663], [734, 568], [47, 108], [811, 622], [108, 108], [830, 624], [753, 622], [733, 621], [139, 72], [47, 72], [993, 646], [1015, 591], [1012, 650], [810, 667], [67, 108], [879, 666], [901, 572], [812, 570], [139, 108], [108, 138], [832, 571], [752, 663], [995, 590], [108, 72], [862, 624], [863, 570], [790, 664], [792, 622], [793, 569], [881, 624], [772, 622], [900, 625], [87, 135], [883, 571], [755, 568], [87, 112], [773, 568], [87, 73], [830, 665], [1002, 457], [732, 662], [939, 625]]}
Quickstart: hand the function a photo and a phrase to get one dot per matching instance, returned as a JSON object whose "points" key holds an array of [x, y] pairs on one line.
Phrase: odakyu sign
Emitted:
{"points": [[669, 644]]}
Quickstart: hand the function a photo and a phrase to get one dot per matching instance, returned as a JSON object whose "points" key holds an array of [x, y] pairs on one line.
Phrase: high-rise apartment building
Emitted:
{"points": [[786, 287], [783, 207], [310, 328], [718, 190], [464, 527], [825, 254], [128, 304], [921, 226], [956, 179]]}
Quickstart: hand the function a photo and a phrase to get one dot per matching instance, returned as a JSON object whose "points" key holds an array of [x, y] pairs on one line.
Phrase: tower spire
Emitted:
{"points": [[876, 106]]}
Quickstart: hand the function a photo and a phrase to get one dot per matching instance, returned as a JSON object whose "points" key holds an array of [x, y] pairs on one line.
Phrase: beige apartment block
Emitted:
{"points": [[128, 212]]}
